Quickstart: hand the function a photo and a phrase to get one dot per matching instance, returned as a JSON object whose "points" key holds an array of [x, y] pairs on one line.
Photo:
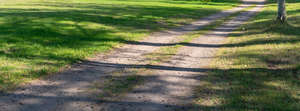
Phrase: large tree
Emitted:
{"points": [[281, 11]]}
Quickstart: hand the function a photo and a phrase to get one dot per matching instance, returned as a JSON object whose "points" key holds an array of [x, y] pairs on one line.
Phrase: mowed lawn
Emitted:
{"points": [[258, 70], [40, 37]]}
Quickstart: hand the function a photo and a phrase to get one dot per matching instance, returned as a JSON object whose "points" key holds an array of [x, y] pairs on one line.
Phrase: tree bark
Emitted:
{"points": [[281, 11]]}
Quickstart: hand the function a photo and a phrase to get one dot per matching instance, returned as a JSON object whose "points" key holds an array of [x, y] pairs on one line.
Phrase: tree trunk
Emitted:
{"points": [[281, 11]]}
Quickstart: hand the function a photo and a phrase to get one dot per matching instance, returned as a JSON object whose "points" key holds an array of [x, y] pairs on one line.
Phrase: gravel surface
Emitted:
{"points": [[170, 88]]}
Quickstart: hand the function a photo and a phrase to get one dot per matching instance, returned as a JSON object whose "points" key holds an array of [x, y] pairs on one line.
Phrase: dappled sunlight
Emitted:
{"points": [[277, 84], [210, 101]]}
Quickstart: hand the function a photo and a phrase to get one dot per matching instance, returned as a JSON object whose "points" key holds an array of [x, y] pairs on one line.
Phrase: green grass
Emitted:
{"points": [[113, 87], [259, 68], [40, 37]]}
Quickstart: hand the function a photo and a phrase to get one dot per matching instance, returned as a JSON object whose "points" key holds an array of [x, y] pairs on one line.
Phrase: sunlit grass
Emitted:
{"points": [[257, 70]]}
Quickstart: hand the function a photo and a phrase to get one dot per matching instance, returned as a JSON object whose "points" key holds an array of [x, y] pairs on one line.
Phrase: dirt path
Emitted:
{"points": [[67, 91], [171, 89]]}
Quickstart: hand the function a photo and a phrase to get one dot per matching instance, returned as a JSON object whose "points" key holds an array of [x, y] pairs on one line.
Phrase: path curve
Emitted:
{"points": [[67, 91]]}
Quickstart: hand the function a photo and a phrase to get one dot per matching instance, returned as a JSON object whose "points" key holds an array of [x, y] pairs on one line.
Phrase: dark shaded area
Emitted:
{"points": [[158, 67], [288, 1]]}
